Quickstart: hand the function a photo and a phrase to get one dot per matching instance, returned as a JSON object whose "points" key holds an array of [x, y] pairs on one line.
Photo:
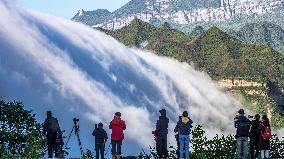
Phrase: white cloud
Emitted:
{"points": [[83, 70]]}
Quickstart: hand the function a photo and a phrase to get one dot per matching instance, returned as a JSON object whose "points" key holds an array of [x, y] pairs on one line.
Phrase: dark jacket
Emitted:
{"points": [[263, 144], [100, 135], [117, 125], [184, 126], [51, 125], [162, 127], [254, 133], [243, 126]]}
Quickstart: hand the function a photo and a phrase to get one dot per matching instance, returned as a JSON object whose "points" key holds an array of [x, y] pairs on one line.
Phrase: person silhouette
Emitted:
{"points": [[52, 130], [100, 139], [162, 132]]}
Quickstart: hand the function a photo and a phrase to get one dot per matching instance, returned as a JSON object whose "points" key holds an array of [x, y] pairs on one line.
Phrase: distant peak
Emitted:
{"points": [[198, 30], [81, 12], [102, 10], [137, 22], [215, 30], [166, 25]]}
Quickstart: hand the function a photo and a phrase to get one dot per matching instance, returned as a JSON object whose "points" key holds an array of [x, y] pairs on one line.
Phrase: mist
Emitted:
{"points": [[51, 63]]}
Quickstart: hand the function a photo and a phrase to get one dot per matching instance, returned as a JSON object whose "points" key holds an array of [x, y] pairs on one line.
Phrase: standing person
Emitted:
{"points": [[162, 132], [184, 126], [118, 126], [52, 130], [254, 135], [243, 127], [265, 135], [100, 139]]}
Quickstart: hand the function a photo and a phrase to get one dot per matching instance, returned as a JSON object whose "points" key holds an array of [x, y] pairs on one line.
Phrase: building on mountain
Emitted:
{"points": [[230, 83]]}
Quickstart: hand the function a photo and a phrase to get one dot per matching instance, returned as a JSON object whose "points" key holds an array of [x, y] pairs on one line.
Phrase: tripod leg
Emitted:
{"points": [[78, 138], [69, 136]]}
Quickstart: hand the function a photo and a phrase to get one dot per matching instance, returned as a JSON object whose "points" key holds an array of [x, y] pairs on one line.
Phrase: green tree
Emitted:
{"points": [[20, 134], [221, 147]]}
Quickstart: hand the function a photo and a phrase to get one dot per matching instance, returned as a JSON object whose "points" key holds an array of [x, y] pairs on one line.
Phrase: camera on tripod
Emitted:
{"points": [[75, 120], [76, 131], [250, 116]]}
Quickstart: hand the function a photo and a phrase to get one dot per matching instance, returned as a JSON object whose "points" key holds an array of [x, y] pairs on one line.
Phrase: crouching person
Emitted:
{"points": [[100, 139]]}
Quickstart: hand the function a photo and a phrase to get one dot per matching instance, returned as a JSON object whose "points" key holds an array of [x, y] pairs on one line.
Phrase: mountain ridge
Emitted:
{"points": [[182, 11], [213, 42], [91, 17], [224, 57], [265, 33]]}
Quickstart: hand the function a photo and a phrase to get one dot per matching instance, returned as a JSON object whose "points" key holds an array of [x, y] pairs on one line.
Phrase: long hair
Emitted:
{"points": [[265, 120]]}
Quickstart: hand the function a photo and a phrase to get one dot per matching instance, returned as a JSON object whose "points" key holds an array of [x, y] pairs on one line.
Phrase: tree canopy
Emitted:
{"points": [[20, 134]]}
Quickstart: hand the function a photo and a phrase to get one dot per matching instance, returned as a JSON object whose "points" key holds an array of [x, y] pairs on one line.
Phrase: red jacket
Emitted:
{"points": [[117, 125]]}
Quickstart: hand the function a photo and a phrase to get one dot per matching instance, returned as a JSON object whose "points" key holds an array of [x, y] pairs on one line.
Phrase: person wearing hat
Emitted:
{"points": [[242, 124], [100, 140], [162, 132], [52, 131], [117, 125], [184, 125]]}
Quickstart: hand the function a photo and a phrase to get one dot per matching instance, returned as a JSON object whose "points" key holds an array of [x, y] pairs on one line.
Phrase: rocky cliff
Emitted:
{"points": [[178, 11]]}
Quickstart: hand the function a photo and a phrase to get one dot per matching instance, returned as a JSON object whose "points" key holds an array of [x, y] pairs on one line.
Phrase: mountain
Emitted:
{"points": [[263, 33], [198, 30], [138, 33], [75, 71], [240, 67], [91, 17], [214, 51], [181, 11], [190, 4]]}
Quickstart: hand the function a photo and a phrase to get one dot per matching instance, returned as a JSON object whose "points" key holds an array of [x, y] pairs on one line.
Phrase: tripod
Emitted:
{"points": [[76, 131]]}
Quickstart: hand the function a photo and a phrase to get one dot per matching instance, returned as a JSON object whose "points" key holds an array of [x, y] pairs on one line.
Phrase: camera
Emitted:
{"points": [[75, 120], [250, 116], [155, 135]]}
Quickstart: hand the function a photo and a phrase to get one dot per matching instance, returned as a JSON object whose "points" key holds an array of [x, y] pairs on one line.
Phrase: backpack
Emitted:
{"points": [[243, 128], [266, 133], [53, 125]]}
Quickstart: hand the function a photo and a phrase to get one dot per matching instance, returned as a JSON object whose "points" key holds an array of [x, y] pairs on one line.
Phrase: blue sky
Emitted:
{"points": [[68, 8]]}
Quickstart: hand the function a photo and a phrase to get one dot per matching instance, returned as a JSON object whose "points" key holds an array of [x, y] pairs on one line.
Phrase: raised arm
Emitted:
{"points": [[94, 132], [105, 135], [110, 125], [123, 125], [236, 122], [158, 126], [176, 128]]}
